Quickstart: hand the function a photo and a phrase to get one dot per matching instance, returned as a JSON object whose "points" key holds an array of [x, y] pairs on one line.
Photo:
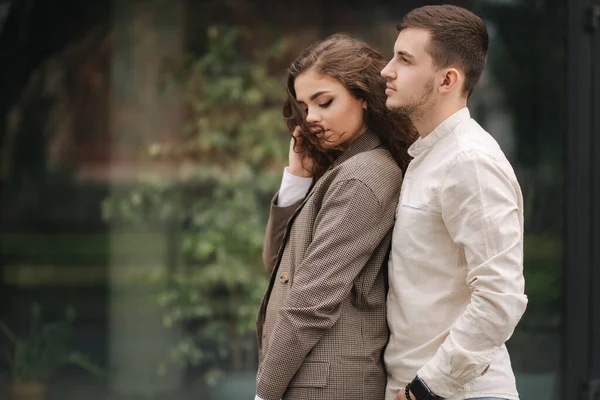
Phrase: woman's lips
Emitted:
{"points": [[320, 133]]}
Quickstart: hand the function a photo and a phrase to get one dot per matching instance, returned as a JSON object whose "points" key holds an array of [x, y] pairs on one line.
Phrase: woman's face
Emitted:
{"points": [[328, 103]]}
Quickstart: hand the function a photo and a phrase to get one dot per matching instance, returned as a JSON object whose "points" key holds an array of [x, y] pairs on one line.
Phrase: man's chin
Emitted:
{"points": [[395, 107], [391, 105]]}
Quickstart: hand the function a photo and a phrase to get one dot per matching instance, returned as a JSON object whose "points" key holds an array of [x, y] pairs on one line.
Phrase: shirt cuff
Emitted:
{"points": [[293, 188], [439, 383]]}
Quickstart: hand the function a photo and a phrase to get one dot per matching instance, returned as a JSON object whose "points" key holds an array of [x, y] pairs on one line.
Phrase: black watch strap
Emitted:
{"points": [[420, 390]]}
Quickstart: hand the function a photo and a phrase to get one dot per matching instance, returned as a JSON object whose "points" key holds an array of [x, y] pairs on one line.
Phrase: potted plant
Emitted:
{"points": [[35, 357]]}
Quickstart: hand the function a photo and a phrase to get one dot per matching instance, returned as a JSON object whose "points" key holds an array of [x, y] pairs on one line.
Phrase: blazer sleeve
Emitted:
{"points": [[278, 219], [349, 226]]}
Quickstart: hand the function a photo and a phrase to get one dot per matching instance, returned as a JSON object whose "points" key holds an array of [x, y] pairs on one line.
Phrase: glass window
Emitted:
{"points": [[140, 148], [521, 101]]}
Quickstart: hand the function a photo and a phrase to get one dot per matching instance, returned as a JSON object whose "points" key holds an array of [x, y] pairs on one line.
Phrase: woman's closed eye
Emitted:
{"points": [[326, 104]]}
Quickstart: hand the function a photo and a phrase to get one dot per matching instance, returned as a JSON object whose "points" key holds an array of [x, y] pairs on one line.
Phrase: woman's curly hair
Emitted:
{"points": [[357, 66]]}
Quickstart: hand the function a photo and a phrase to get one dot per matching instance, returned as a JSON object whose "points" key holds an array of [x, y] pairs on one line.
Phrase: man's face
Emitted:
{"points": [[410, 74]]}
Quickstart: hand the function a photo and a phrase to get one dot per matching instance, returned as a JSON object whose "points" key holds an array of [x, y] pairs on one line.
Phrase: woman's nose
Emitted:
{"points": [[312, 117]]}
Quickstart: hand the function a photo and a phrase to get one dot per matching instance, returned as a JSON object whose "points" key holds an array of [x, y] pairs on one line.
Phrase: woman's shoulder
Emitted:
{"points": [[375, 168], [376, 164]]}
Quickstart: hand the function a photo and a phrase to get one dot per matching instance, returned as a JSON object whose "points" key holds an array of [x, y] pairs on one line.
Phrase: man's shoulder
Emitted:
{"points": [[470, 138], [474, 146]]}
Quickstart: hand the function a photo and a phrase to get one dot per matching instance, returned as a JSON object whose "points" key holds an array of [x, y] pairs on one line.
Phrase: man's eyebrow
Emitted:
{"points": [[404, 53]]}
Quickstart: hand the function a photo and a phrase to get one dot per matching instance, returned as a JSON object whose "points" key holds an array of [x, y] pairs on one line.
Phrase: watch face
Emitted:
{"points": [[419, 389]]}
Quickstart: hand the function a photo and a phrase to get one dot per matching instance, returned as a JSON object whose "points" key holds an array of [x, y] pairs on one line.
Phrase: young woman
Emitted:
{"points": [[322, 324]]}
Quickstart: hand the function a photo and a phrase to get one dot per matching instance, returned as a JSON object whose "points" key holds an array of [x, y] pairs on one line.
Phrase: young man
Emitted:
{"points": [[456, 267]]}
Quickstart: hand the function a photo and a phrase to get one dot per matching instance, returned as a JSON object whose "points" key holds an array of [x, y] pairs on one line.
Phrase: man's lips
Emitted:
{"points": [[389, 89]]}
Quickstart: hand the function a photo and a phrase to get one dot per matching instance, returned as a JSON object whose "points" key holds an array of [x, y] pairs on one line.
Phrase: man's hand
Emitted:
{"points": [[401, 396]]}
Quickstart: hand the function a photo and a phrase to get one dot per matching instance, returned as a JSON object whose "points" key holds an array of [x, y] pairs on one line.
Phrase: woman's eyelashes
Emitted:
{"points": [[322, 105], [326, 104]]}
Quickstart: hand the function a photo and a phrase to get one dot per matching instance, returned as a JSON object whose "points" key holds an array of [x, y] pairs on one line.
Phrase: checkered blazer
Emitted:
{"points": [[322, 324]]}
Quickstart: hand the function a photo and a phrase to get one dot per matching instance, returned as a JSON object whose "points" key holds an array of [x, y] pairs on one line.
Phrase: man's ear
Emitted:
{"points": [[452, 80]]}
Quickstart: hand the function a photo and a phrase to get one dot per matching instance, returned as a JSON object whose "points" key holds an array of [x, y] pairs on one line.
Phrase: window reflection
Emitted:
{"points": [[522, 103], [138, 156]]}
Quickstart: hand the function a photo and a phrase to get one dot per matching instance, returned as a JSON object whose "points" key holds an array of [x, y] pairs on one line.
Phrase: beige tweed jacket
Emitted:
{"points": [[322, 324]]}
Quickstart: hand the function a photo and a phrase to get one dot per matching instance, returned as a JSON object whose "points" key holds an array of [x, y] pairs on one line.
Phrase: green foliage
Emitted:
{"points": [[543, 279], [46, 347], [235, 150]]}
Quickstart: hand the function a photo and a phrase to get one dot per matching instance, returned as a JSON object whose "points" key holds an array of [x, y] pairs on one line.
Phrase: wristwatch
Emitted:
{"points": [[421, 391]]}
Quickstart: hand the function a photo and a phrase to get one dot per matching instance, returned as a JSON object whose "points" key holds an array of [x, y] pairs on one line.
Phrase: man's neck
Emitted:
{"points": [[431, 119]]}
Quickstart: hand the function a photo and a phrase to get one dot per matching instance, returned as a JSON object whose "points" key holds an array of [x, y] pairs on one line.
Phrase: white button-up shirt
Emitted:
{"points": [[456, 266]]}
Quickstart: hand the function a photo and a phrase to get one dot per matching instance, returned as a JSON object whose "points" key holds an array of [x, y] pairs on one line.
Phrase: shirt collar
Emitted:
{"points": [[447, 126]]}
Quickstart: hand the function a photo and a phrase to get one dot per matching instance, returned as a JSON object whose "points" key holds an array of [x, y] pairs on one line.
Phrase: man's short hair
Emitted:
{"points": [[459, 39]]}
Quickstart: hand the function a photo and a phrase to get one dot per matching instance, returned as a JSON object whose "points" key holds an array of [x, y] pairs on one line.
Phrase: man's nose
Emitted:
{"points": [[387, 72]]}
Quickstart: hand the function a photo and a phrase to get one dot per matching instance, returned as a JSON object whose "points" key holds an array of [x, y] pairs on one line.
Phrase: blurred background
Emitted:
{"points": [[141, 141]]}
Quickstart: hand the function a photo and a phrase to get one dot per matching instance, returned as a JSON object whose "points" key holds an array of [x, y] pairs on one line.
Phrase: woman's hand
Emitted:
{"points": [[298, 165]]}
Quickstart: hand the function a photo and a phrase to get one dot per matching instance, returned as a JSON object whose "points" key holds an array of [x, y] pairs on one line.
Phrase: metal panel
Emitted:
{"points": [[582, 193]]}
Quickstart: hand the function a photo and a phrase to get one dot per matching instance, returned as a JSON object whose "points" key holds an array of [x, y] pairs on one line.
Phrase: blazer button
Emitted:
{"points": [[284, 277]]}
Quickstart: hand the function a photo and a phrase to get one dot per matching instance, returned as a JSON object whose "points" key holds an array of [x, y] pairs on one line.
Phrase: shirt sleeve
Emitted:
{"points": [[349, 226], [482, 209], [293, 188]]}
